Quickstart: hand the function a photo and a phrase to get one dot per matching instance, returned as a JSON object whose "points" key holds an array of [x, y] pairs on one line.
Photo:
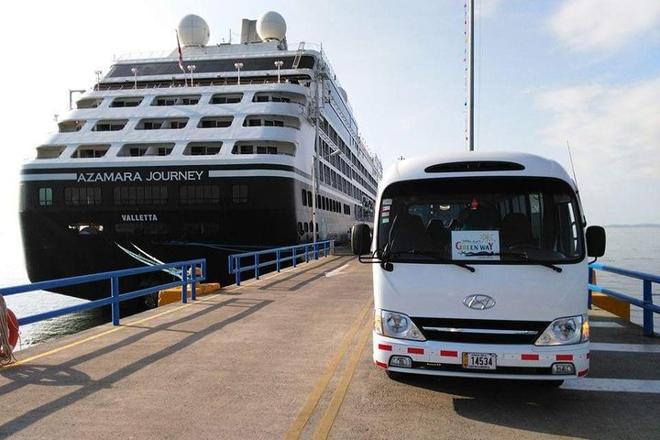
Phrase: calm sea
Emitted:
{"points": [[635, 248]]}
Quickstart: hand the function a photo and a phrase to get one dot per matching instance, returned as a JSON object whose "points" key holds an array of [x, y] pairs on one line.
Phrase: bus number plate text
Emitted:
{"points": [[480, 361]]}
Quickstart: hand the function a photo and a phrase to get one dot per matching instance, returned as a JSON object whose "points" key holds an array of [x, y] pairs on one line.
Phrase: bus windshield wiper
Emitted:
{"points": [[435, 258], [523, 256]]}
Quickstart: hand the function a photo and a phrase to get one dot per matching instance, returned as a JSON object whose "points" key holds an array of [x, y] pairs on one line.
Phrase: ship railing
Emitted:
{"points": [[646, 303], [277, 257], [187, 273]]}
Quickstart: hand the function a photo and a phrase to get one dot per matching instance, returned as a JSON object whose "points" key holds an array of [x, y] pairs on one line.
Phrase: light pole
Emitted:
{"points": [[315, 184], [135, 71], [278, 64], [471, 79], [239, 66], [191, 69]]}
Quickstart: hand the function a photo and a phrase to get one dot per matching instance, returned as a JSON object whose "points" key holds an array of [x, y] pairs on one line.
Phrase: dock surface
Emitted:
{"points": [[289, 356]]}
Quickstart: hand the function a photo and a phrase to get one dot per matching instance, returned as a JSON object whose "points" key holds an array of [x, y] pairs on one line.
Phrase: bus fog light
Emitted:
{"points": [[563, 368], [401, 362]]}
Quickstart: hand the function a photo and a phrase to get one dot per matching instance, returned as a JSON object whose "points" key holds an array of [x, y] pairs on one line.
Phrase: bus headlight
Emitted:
{"points": [[396, 325], [564, 331]]}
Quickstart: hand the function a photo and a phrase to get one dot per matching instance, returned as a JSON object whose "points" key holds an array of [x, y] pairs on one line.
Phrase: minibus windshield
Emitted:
{"points": [[480, 220]]}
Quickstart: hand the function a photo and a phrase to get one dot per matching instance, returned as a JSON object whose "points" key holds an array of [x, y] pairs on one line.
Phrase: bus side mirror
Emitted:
{"points": [[596, 241], [361, 239]]}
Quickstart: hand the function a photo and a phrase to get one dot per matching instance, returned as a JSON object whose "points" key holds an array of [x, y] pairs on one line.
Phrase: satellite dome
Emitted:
{"points": [[271, 26], [193, 31]]}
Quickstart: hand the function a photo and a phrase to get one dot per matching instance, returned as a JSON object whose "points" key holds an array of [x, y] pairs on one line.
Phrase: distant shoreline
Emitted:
{"points": [[641, 225]]}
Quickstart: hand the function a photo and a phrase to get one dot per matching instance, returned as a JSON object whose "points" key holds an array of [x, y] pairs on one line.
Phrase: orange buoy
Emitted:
{"points": [[12, 323], [8, 333]]}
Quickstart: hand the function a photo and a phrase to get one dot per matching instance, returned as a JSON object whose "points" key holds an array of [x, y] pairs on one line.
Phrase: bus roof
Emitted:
{"points": [[474, 164]]}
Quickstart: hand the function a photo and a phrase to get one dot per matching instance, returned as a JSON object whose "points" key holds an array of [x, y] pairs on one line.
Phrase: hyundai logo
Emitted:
{"points": [[479, 302]]}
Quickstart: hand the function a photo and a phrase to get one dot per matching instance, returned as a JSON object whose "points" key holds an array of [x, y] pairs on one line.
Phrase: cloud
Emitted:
{"points": [[615, 139], [612, 129], [603, 24]]}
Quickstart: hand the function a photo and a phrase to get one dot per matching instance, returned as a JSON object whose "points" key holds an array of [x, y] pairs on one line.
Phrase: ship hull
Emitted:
{"points": [[207, 218]]}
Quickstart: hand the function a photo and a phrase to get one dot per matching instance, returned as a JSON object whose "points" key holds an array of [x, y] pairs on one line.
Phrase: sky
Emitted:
{"points": [[586, 72]]}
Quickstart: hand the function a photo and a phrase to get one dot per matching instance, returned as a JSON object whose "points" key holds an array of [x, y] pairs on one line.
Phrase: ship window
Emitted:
{"points": [[82, 196], [300, 228], [304, 197], [140, 195], [70, 126], [226, 98], [165, 123], [136, 150], [239, 193], [272, 121], [215, 122], [110, 125], [176, 100], [265, 147], [199, 194], [90, 151], [202, 149], [132, 101], [285, 97], [45, 197], [244, 149], [88, 103], [49, 151], [309, 198], [347, 209], [306, 227]]}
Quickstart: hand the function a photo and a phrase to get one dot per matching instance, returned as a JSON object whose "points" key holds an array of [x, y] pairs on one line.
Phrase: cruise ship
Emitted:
{"points": [[196, 153]]}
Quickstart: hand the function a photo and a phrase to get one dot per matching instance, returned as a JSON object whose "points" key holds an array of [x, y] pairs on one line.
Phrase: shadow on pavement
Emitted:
{"points": [[63, 375], [539, 408]]}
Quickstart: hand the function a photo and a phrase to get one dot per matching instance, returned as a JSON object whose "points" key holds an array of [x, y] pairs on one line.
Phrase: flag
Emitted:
{"points": [[178, 45]]}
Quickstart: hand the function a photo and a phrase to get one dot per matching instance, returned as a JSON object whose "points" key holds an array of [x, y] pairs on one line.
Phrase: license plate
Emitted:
{"points": [[480, 361]]}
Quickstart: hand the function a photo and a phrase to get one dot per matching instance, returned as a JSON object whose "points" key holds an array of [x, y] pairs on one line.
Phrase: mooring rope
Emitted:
{"points": [[6, 350]]}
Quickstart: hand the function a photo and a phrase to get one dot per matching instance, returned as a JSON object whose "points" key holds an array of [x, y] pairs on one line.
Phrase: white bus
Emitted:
{"points": [[480, 268]]}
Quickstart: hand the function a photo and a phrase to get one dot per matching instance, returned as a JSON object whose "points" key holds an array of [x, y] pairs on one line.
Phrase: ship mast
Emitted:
{"points": [[470, 91]]}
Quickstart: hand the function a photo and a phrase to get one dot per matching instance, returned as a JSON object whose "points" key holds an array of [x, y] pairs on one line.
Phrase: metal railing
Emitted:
{"points": [[188, 275], [646, 303], [259, 259]]}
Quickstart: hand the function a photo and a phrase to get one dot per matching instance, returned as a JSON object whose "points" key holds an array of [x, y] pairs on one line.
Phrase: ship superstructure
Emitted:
{"points": [[202, 151]]}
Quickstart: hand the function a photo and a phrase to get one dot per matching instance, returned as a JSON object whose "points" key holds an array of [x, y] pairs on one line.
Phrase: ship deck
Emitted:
{"points": [[289, 356]]}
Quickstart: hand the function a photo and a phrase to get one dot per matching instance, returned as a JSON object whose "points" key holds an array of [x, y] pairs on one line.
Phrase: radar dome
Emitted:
{"points": [[193, 31], [271, 26]]}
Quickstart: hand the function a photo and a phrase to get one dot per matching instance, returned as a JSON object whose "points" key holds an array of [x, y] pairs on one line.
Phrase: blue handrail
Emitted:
{"points": [[188, 276], [279, 255], [646, 303]]}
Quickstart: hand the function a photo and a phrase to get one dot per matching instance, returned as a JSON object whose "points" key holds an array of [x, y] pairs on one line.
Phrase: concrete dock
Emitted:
{"points": [[289, 356]]}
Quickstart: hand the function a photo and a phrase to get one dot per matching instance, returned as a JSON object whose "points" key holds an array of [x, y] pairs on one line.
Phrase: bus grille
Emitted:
{"points": [[480, 331]]}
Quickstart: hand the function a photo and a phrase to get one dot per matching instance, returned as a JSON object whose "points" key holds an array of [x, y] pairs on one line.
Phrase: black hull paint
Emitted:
{"points": [[55, 247]]}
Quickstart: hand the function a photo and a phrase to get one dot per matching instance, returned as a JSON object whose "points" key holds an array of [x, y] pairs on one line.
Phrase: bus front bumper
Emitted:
{"points": [[527, 362]]}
